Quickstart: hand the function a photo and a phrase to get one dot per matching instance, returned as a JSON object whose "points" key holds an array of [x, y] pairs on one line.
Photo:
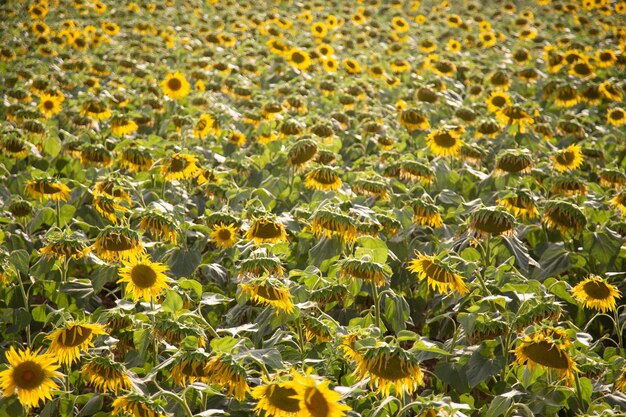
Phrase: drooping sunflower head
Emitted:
{"points": [[269, 291], [620, 382], [106, 375], [514, 161], [440, 276], [519, 203], [547, 347], [108, 207], [563, 216], [65, 245], [14, 147], [174, 331], [144, 278], [179, 166], [413, 119], [191, 366], [372, 188], [19, 207], [416, 171], [568, 159], [444, 142], [486, 221], [48, 189], [68, 340], [365, 269], [260, 263], [224, 370], [388, 367], [175, 86], [134, 404], [136, 159], [323, 178], [113, 188], [425, 213], [302, 152], [95, 110], [30, 375], [159, 225], [315, 398], [568, 186], [267, 230], [331, 223], [118, 243], [613, 178], [594, 292], [276, 398], [516, 116], [619, 202]]}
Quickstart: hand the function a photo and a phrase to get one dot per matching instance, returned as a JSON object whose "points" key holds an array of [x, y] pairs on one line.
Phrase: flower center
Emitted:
{"points": [[597, 290], [267, 230], [445, 140], [28, 375], [174, 84], [73, 336], [48, 105], [279, 397], [143, 276], [546, 354], [297, 57], [391, 368], [224, 234], [316, 403]]}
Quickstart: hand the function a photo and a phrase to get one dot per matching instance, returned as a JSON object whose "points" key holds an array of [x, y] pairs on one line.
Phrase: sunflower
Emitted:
{"points": [[613, 178], [160, 226], [136, 159], [444, 142], [563, 216], [548, 349], [68, 341], [315, 398], [616, 116], [191, 366], [63, 246], [118, 243], [372, 188], [515, 116], [620, 382], [206, 125], [299, 59], [271, 292], [412, 119], [594, 292], [351, 66], [440, 277], [425, 213], [610, 91], [323, 178], [145, 279], [566, 96], [95, 155], [225, 371], [49, 105], [319, 30], [179, 166], [276, 398], [122, 126], [30, 375], [568, 159], [106, 375], [487, 221], [267, 231], [136, 405], [95, 110], [330, 223], [520, 204], [364, 269], [302, 152], [48, 189], [619, 202], [14, 147], [175, 86], [415, 171], [224, 236], [389, 367]]}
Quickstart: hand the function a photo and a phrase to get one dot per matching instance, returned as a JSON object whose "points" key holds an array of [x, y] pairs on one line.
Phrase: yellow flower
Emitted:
{"points": [[269, 291], [594, 292], [563, 216], [175, 86], [547, 348], [444, 142], [299, 59], [48, 189], [106, 375], [329, 223], [616, 116], [68, 341], [30, 375], [225, 371], [180, 166], [136, 405], [568, 159], [118, 243], [388, 367], [122, 126], [352, 66], [323, 178], [514, 116], [315, 398], [160, 226], [206, 125], [224, 236], [144, 278], [319, 29], [267, 231], [440, 277], [50, 105], [497, 100], [276, 399], [191, 366]]}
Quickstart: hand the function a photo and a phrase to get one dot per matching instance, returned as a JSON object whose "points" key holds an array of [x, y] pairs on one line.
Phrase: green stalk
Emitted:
{"points": [[376, 305]]}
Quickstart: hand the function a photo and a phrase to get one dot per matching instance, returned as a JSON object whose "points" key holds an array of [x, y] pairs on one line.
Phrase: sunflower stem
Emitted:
{"points": [[579, 394], [58, 214], [25, 298], [155, 345], [618, 330], [376, 305], [181, 401]]}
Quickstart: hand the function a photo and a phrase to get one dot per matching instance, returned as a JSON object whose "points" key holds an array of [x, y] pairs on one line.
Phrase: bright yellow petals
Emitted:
{"points": [[316, 399], [144, 279], [568, 159], [68, 342], [175, 86], [444, 142], [390, 367], [267, 231], [48, 189], [106, 375], [269, 291], [50, 105], [440, 277], [30, 376], [595, 293], [179, 166], [547, 348], [224, 236], [276, 399]]}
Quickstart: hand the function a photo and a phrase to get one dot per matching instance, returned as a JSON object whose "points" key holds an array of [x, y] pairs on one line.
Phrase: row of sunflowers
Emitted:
{"points": [[312, 209]]}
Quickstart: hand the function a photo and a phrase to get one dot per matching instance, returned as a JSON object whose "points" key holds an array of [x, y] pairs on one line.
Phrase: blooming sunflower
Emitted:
{"points": [[444, 142], [180, 166], [137, 406], [266, 231], [145, 279], [497, 100], [30, 375], [515, 116], [69, 340], [388, 367], [106, 375], [224, 236], [440, 276], [568, 159], [175, 86], [315, 398], [49, 105], [118, 243], [547, 348], [276, 398], [206, 125], [48, 189], [616, 116], [323, 178], [269, 291], [299, 59], [594, 292]]}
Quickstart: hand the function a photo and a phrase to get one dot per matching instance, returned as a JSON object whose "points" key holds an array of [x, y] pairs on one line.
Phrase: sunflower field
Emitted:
{"points": [[314, 208]]}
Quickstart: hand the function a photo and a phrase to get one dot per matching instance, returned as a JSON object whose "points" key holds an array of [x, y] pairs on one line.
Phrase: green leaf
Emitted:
{"points": [[374, 247], [554, 261], [191, 284], [173, 302], [40, 313], [603, 246], [481, 367], [94, 404], [20, 259], [66, 213], [183, 263], [51, 145]]}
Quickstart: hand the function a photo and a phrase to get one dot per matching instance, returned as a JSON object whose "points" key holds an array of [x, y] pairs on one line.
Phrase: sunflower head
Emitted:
{"points": [[365, 269], [389, 367], [106, 375], [425, 213], [137, 405], [519, 203], [276, 398], [174, 331], [224, 236], [329, 223], [568, 186], [136, 159], [302, 152], [614, 178], [372, 188], [20, 208], [175, 86], [48, 189], [514, 161], [224, 370], [594, 292], [414, 171], [179, 166], [267, 230], [260, 263], [440, 276], [14, 147], [444, 142], [159, 225], [568, 159], [563, 216], [191, 366], [269, 291], [315, 398], [68, 341], [491, 221], [118, 243], [323, 178], [144, 278], [65, 245]]}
